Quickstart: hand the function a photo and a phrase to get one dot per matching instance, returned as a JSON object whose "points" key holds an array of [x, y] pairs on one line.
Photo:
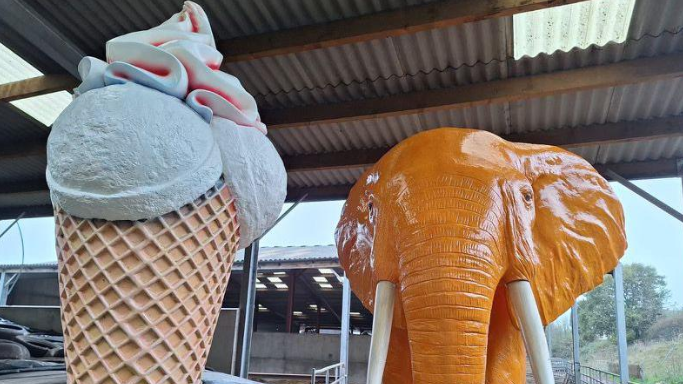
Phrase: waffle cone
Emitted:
{"points": [[140, 299]]}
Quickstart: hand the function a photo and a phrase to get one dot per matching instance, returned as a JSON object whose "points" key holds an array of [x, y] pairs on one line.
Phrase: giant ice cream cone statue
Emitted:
{"points": [[159, 171]]}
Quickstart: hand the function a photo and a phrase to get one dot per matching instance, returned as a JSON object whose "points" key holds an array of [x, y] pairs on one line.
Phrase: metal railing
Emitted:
{"points": [[334, 372], [595, 376], [590, 375], [561, 367]]}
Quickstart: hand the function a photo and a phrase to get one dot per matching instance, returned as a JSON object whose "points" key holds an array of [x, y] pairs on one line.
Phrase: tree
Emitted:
{"points": [[645, 293]]}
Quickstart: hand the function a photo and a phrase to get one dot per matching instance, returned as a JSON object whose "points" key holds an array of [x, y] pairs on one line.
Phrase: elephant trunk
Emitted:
{"points": [[450, 266]]}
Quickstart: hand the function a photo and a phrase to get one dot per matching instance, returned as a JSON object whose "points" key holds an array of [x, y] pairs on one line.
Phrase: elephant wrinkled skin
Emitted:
{"points": [[451, 216]]}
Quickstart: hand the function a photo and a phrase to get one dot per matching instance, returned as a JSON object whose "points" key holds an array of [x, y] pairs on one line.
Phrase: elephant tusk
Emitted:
{"points": [[381, 330], [524, 307]]}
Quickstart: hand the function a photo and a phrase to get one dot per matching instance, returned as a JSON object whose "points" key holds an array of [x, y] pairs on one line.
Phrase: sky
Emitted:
{"points": [[654, 237]]}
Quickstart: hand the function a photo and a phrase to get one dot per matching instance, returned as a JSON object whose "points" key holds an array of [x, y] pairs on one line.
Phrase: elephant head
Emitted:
{"points": [[473, 241]]}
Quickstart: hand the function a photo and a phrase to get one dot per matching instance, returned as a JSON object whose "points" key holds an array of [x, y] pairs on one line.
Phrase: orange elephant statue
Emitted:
{"points": [[464, 245]]}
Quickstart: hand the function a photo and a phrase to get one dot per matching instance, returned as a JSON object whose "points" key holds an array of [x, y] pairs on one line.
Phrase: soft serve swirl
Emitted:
{"points": [[178, 58]]}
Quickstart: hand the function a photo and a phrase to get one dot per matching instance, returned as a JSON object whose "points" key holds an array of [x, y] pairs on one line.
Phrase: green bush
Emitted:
{"points": [[667, 327]]}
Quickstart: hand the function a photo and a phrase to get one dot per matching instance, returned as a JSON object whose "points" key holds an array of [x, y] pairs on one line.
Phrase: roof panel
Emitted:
{"points": [[15, 126], [25, 168], [90, 23], [558, 111], [45, 108], [371, 133], [652, 20], [427, 60], [647, 100], [324, 178], [25, 199], [575, 25], [13, 67], [266, 255], [665, 148]]}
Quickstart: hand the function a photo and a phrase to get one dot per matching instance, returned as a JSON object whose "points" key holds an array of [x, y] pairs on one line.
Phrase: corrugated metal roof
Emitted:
{"points": [[632, 102], [293, 254], [24, 199], [90, 23], [426, 60], [470, 53], [465, 54], [26, 168], [266, 255], [325, 178], [16, 126]]}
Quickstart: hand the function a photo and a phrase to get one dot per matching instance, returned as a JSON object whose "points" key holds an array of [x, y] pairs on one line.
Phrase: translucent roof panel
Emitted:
{"points": [[569, 26], [44, 108], [14, 68]]}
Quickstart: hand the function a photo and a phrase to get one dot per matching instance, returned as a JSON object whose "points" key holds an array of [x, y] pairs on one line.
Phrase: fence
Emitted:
{"points": [[332, 372], [589, 375]]}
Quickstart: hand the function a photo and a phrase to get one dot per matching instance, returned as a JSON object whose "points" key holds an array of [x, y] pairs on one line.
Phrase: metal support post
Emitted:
{"points": [[575, 343], [3, 288], [317, 318], [345, 325], [247, 303], [618, 275], [290, 302]]}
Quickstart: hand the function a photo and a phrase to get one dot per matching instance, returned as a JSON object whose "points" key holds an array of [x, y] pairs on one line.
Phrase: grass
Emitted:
{"points": [[661, 361]]}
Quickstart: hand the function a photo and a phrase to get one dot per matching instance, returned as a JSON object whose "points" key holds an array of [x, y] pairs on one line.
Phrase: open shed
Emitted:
{"points": [[340, 82]]}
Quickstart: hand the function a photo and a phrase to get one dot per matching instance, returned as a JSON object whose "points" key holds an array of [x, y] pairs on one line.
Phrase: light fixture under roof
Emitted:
{"points": [[571, 26], [279, 273], [326, 271], [281, 286], [320, 279], [325, 285], [297, 313], [275, 280], [355, 313], [261, 286], [312, 306]]}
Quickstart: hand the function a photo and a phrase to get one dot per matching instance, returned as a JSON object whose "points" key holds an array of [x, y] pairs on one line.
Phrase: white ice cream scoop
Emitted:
{"points": [[127, 152]]}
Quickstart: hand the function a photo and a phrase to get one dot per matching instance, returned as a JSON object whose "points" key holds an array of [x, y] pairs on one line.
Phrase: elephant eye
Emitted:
{"points": [[528, 196]]}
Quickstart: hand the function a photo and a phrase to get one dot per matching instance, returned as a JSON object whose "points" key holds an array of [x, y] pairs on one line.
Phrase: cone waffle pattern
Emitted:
{"points": [[140, 299]]}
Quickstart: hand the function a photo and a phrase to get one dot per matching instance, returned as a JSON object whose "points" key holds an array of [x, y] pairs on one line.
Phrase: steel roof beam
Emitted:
{"points": [[492, 92], [391, 23], [596, 134], [632, 171]]}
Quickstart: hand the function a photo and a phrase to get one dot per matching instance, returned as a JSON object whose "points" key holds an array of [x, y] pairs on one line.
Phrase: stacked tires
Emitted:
{"points": [[18, 342]]}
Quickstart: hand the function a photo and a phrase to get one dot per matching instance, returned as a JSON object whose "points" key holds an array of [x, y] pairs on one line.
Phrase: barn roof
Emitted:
{"points": [[341, 81]]}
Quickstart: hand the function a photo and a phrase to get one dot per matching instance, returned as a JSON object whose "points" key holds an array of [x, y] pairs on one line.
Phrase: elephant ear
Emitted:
{"points": [[578, 229]]}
